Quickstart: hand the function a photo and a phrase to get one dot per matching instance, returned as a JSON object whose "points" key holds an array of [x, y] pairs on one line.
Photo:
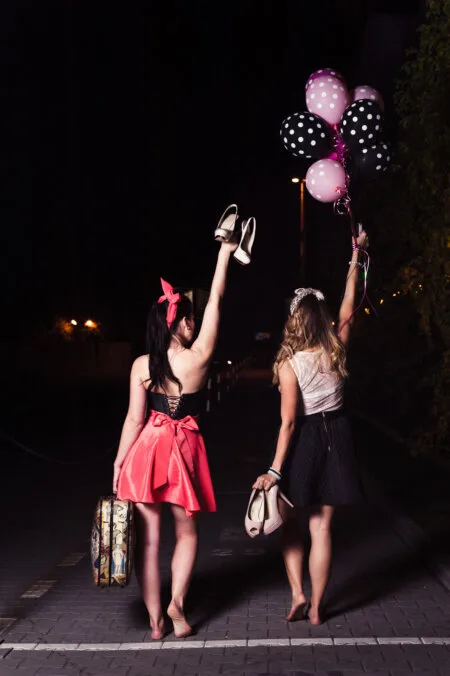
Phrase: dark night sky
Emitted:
{"points": [[130, 126]]}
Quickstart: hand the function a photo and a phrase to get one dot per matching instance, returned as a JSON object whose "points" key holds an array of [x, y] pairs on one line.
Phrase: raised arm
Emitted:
{"points": [[135, 418], [348, 301], [207, 338], [289, 402]]}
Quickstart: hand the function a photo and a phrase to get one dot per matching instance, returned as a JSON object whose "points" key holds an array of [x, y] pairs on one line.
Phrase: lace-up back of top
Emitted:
{"points": [[321, 390], [176, 407]]}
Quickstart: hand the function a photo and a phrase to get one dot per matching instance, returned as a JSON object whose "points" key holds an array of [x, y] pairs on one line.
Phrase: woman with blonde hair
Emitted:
{"points": [[314, 460]]}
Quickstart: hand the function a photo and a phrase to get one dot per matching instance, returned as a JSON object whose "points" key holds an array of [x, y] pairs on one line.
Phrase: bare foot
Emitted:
{"points": [[297, 611], [314, 617], [181, 626], [159, 630]]}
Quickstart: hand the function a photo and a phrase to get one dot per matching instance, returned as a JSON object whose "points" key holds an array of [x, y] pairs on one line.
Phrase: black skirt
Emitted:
{"points": [[321, 467]]}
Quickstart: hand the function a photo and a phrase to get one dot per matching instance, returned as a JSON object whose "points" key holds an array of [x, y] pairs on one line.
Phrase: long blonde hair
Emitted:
{"points": [[310, 327]]}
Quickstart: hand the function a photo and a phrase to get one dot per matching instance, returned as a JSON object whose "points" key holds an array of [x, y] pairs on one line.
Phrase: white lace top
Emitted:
{"points": [[320, 390]]}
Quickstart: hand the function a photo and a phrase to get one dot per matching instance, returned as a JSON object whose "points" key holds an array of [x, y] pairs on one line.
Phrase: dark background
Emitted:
{"points": [[129, 127]]}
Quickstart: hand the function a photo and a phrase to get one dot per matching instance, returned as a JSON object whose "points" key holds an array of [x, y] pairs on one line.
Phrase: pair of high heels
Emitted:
{"points": [[225, 232], [263, 516]]}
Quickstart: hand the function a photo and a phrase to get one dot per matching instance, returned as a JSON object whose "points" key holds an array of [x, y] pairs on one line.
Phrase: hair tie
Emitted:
{"points": [[173, 299], [301, 293]]}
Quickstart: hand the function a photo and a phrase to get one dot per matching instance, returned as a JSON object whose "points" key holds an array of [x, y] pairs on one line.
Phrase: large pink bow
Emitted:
{"points": [[174, 441], [172, 298]]}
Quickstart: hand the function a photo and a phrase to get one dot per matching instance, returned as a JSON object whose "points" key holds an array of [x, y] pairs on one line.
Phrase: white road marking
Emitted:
{"points": [[228, 643], [233, 534], [222, 552], [39, 589], [72, 560]]}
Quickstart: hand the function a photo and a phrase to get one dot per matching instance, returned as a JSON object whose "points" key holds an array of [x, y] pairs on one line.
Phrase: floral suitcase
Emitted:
{"points": [[112, 542]]}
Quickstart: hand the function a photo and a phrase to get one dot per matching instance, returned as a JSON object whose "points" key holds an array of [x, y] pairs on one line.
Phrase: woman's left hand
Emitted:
{"points": [[265, 482]]}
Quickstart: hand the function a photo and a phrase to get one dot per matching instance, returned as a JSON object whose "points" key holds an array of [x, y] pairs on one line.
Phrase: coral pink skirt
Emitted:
{"points": [[168, 463]]}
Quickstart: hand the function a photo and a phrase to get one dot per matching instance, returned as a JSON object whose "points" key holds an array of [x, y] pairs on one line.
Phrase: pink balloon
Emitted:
{"points": [[324, 71], [325, 180], [366, 92], [328, 98]]}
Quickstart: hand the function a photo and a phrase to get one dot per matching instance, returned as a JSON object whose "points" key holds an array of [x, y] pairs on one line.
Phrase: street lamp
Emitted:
{"points": [[302, 182]]}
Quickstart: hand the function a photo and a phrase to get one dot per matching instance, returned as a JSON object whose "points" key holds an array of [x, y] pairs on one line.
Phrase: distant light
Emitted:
{"points": [[333, 323], [74, 322], [367, 311], [381, 301], [393, 295], [295, 180], [229, 362], [90, 324]]}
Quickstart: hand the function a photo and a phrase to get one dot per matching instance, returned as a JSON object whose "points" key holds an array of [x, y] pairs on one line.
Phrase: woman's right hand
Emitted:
{"points": [[362, 240], [230, 247], [115, 478]]}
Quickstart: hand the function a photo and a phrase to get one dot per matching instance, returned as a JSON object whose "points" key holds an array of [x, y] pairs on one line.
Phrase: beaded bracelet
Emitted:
{"points": [[356, 263]]}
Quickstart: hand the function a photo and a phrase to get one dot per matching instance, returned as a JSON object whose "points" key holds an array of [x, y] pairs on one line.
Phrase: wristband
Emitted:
{"points": [[274, 473]]}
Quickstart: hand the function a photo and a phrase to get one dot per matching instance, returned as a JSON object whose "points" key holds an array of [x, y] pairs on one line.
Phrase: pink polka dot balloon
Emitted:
{"points": [[327, 97], [366, 92], [325, 180], [320, 73]]}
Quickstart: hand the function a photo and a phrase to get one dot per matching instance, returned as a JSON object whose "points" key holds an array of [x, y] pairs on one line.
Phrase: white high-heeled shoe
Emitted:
{"points": [[273, 518], [225, 228], [244, 250], [256, 513]]}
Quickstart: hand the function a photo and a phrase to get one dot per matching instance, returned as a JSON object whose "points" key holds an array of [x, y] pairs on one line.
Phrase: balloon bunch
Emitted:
{"points": [[342, 131]]}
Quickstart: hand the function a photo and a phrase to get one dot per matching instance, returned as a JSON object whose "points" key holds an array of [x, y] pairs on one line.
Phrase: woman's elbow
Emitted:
{"points": [[134, 423], [288, 425]]}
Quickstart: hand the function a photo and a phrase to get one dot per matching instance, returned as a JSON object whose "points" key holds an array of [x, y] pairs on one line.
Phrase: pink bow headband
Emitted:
{"points": [[173, 299]]}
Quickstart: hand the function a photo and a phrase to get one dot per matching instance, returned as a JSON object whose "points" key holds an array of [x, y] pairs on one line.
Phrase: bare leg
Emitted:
{"points": [[147, 563], [320, 557], [183, 560], [293, 553]]}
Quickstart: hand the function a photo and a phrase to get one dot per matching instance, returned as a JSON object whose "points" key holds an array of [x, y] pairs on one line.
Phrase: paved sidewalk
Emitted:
{"points": [[388, 615]]}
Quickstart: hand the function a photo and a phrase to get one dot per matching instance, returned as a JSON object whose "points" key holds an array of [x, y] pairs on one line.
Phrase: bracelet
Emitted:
{"points": [[274, 473], [356, 263], [356, 247]]}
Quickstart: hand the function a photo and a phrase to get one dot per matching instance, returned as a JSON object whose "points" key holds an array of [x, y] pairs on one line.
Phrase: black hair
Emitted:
{"points": [[158, 340]]}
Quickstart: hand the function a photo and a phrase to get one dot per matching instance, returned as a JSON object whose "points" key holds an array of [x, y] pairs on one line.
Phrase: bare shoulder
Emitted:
{"points": [[140, 368], [287, 374]]}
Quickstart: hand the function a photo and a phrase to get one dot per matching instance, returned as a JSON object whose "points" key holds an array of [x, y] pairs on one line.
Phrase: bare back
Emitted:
{"points": [[187, 365]]}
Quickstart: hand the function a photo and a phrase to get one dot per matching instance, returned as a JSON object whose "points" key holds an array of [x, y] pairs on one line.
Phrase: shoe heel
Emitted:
{"points": [[285, 499]]}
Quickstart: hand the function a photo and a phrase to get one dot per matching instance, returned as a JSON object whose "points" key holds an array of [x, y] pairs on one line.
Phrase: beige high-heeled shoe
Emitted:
{"points": [[273, 518], [244, 250], [225, 228], [263, 515], [256, 513]]}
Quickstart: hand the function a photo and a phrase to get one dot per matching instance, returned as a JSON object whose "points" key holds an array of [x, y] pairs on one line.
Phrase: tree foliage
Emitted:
{"points": [[410, 215]]}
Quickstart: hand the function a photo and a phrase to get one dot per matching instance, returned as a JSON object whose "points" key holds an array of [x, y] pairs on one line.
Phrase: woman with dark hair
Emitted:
{"points": [[314, 460], [163, 459]]}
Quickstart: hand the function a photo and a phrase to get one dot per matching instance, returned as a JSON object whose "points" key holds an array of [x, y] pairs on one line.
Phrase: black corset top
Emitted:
{"points": [[176, 407]]}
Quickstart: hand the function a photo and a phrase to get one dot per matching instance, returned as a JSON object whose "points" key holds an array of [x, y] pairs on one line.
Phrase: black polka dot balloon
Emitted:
{"points": [[361, 124], [372, 161], [306, 135]]}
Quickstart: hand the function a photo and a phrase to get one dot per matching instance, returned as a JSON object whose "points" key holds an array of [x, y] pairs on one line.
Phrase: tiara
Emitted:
{"points": [[299, 295]]}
